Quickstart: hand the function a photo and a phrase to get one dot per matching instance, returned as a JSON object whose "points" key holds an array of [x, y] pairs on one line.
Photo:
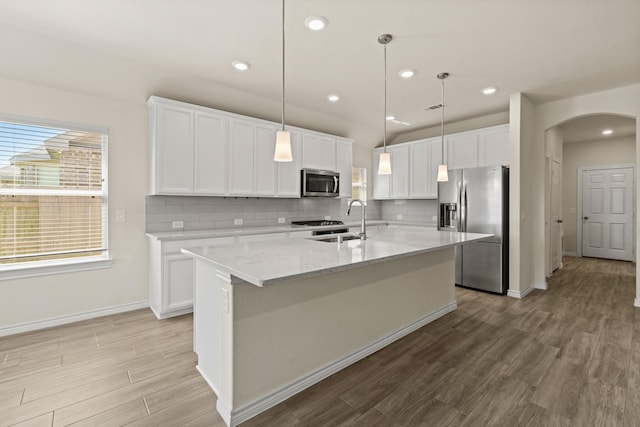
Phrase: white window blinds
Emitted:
{"points": [[53, 202], [359, 184]]}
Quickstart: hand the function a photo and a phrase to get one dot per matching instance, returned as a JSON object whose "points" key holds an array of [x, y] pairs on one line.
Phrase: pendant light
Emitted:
{"points": [[384, 167], [443, 174], [283, 137]]}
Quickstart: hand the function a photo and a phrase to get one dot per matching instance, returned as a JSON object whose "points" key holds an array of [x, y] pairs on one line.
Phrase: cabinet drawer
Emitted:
{"points": [[174, 247]]}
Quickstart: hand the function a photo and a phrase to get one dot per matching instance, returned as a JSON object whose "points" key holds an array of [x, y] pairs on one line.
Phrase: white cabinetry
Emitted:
{"points": [[171, 275], [200, 151], [414, 164], [462, 150], [210, 154], [396, 185], [493, 146], [318, 152], [172, 149], [344, 163]]}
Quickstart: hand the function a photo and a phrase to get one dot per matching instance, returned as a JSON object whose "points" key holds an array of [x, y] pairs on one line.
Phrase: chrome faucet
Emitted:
{"points": [[363, 227]]}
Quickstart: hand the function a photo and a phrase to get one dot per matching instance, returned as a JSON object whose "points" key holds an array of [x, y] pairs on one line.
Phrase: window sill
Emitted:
{"points": [[47, 268]]}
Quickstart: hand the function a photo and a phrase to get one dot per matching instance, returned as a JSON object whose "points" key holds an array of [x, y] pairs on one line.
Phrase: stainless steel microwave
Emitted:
{"points": [[319, 183]]}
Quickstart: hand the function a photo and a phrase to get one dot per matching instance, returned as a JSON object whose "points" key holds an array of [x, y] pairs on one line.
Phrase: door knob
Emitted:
{"points": [[585, 218], [559, 221]]}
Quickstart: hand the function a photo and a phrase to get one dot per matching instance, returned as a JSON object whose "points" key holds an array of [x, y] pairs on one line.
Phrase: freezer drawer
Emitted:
{"points": [[482, 266]]}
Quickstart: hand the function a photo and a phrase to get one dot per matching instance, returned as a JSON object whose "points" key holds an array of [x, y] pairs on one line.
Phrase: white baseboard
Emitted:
{"points": [[518, 294], [172, 313], [63, 320], [573, 254], [250, 410], [542, 286], [636, 302]]}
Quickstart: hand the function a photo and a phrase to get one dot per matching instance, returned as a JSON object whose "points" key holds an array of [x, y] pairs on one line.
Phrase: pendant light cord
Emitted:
{"points": [[283, 64], [384, 137], [442, 125]]}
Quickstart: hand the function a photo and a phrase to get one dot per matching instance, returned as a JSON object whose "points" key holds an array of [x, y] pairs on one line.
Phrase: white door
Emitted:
{"points": [[607, 213], [556, 219]]}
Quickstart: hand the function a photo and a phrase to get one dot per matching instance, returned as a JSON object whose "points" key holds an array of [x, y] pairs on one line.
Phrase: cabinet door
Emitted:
{"points": [[462, 150], [493, 146], [240, 158], [288, 184], [264, 180], [210, 169], [399, 172], [173, 150], [419, 170], [178, 286], [435, 158], [381, 183], [262, 237], [344, 165], [311, 151], [327, 154]]}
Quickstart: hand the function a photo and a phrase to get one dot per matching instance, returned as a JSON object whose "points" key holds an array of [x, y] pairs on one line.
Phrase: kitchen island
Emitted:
{"points": [[272, 318]]}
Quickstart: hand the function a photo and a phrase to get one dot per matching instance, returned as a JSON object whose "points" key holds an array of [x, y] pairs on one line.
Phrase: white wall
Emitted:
{"points": [[610, 151], [521, 236], [28, 300], [623, 101]]}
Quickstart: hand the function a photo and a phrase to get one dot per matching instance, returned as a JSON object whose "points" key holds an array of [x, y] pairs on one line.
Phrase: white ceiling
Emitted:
{"points": [[590, 128], [131, 49]]}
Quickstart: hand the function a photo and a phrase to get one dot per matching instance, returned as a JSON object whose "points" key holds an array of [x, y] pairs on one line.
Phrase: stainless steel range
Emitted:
{"points": [[320, 222]]}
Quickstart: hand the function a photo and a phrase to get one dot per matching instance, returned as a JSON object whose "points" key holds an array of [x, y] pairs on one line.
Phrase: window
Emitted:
{"points": [[359, 184], [53, 193]]}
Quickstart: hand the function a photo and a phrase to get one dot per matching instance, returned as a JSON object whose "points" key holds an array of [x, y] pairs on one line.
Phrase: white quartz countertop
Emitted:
{"points": [[223, 232], [268, 262]]}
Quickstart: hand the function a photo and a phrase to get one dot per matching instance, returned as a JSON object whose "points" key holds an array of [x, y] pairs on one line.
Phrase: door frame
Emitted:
{"points": [[579, 203]]}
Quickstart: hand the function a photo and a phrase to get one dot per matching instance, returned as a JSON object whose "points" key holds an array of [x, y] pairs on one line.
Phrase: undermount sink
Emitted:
{"points": [[340, 238]]}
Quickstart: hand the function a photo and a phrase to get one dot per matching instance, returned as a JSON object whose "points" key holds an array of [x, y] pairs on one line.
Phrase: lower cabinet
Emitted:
{"points": [[171, 275]]}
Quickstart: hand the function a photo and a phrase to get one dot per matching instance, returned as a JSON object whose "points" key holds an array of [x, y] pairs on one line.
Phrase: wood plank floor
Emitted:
{"points": [[569, 356]]}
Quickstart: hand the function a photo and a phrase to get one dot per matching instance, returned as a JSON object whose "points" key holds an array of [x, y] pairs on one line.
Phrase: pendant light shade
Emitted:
{"points": [[384, 167], [283, 137], [283, 146], [443, 174]]}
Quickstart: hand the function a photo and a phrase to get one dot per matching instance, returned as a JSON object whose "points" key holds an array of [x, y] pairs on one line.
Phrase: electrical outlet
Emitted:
{"points": [[434, 218], [327, 217], [177, 224], [399, 217], [281, 220], [121, 216], [238, 221]]}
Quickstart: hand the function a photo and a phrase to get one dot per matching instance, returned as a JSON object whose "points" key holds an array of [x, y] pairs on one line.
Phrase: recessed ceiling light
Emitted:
{"points": [[489, 90], [391, 117], [241, 65], [316, 23], [607, 131], [407, 74], [333, 98]]}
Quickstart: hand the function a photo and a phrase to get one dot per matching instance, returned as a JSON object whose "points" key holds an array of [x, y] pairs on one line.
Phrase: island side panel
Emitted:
{"points": [[207, 322], [289, 330]]}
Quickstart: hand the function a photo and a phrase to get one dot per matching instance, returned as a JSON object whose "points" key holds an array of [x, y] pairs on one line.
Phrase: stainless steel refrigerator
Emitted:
{"points": [[476, 200]]}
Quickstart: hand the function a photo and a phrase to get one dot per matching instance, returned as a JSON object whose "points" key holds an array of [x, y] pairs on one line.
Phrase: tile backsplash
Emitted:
{"points": [[412, 211], [203, 213]]}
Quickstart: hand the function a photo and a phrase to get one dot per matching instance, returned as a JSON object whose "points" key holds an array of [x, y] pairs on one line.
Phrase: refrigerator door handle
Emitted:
{"points": [[459, 220], [464, 204]]}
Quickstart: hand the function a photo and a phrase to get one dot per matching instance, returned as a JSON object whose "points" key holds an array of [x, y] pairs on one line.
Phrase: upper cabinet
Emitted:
{"points": [[205, 152], [414, 164]]}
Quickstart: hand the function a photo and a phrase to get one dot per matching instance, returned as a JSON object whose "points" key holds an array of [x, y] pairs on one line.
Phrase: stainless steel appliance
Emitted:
{"points": [[477, 201], [319, 183], [319, 222]]}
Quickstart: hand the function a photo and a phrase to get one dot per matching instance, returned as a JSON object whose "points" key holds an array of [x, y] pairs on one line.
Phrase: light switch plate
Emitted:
{"points": [[238, 221], [121, 216], [177, 224], [399, 216]]}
